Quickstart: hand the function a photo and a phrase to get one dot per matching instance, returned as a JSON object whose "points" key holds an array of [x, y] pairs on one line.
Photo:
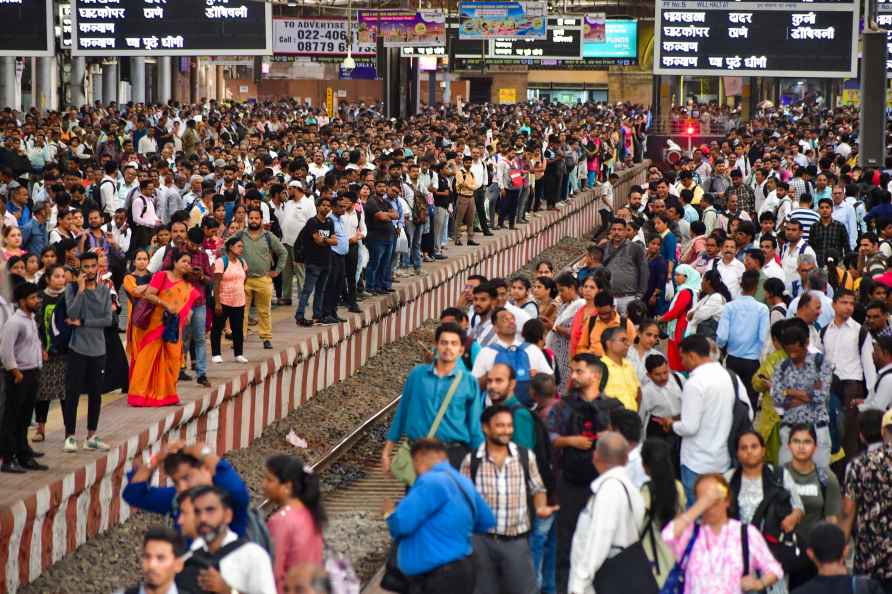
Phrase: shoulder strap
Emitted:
{"points": [[445, 405], [467, 497], [677, 381], [733, 377], [524, 456], [862, 338], [745, 545]]}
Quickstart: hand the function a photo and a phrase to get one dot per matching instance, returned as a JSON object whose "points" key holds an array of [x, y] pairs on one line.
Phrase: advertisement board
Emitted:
{"points": [[506, 20], [401, 28], [316, 37]]}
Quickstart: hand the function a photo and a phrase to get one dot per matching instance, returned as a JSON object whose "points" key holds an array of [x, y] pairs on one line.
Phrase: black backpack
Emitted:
{"points": [[740, 419], [200, 560], [524, 455], [542, 449], [576, 465]]}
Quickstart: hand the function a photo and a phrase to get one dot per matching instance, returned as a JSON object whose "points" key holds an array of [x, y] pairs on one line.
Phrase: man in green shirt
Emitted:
{"points": [[265, 257], [500, 383]]}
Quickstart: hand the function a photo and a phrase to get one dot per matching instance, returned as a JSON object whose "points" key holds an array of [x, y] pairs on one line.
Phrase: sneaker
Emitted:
{"points": [[70, 445], [304, 322], [241, 359], [328, 320], [184, 377], [217, 359], [267, 344], [96, 444], [440, 257], [472, 242], [203, 380]]}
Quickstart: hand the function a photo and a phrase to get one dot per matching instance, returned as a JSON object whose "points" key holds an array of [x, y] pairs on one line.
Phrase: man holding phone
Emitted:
{"points": [[201, 278]]}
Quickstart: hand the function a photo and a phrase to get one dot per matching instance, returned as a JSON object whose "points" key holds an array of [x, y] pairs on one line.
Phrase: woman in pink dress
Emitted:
{"points": [[715, 563], [296, 527]]}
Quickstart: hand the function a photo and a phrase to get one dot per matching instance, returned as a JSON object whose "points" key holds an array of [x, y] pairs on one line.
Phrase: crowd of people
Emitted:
{"points": [[702, 404], [173, 224]]}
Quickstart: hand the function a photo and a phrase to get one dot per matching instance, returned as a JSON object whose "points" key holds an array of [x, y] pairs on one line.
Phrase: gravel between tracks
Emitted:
{"points": [[111, 561]]}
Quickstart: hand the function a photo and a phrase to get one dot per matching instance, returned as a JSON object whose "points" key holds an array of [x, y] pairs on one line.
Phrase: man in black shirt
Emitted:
{"points": [[379, 217], [318, 237], [827, 548], [552, 177]]}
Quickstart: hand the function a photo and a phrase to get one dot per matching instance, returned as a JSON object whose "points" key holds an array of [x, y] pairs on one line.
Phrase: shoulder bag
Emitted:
{"points": [[401, 466], [675, 581], [629, 571]]}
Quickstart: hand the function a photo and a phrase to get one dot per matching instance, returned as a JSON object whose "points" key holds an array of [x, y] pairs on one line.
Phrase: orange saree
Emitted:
{"points": [[155, 363]]}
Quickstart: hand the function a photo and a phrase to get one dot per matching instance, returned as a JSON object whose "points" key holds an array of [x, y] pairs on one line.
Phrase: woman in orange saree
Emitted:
{"points": [[155, 362]]}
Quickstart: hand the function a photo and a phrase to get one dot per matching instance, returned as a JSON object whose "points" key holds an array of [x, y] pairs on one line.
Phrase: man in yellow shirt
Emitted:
{"points": [[622, 379]]}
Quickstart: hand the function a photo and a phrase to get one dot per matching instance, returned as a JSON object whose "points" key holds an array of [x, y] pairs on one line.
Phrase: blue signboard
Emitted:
{"points": [[363, 71], [620, 41]]}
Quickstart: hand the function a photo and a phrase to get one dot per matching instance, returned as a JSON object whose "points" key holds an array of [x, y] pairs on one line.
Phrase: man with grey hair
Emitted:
{"points": [[612, 518], [815, 282]]}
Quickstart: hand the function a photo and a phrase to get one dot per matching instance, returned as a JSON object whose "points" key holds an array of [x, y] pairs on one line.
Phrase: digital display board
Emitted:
{"points": [[792, 39], [29, 28], [884, 20], [172, 28], [563, 42], [620, 41]]}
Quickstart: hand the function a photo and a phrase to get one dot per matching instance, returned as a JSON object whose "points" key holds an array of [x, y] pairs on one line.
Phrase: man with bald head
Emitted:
{"points": [[612, 518]]}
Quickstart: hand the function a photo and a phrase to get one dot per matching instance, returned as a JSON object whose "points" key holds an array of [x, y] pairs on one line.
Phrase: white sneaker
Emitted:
{"points": [[241, 359], [96, 444], [70, 445], [217, 359]]}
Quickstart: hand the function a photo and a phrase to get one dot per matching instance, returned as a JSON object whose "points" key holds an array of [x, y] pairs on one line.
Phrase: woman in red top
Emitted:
{"points": [[687, 281], [296, 527]]}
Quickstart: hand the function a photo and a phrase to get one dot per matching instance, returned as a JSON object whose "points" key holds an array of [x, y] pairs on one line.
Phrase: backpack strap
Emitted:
{"points": [[745, 546], [678, 380]]}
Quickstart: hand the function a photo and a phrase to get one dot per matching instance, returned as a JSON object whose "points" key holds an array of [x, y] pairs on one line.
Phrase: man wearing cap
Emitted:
{"points": [[293, 216], [22, 358], [867, 503]]}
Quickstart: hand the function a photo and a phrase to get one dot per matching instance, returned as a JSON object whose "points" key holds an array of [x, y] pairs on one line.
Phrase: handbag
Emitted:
{"points": [[393, 579], [171, 332], [629, 571], [674, 583], [401, 467], [142, 313]]}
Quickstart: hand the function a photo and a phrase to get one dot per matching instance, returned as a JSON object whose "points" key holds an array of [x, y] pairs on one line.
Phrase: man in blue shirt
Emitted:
{"points": [[434, 522], [426, 389], [187, 467], [749, 320], [34, 233], [337, 269]]}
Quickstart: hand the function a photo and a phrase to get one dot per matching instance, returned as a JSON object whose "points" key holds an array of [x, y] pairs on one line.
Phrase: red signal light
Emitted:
{"points": [[690, 130]]}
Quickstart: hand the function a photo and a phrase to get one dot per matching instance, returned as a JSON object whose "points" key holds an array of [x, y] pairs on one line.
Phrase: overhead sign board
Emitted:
{"points": [[399, 28], [316, 37], [620, 42], [791, 39], [175, 28], [28, 28], [563, 42], [492, 20]]}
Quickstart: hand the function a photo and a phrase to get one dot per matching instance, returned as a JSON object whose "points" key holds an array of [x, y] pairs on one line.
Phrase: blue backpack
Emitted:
{"points": [[517, 358]]}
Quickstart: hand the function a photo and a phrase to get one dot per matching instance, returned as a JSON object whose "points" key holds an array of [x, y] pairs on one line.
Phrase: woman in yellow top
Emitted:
{"points": [[767, 421], [136, 284]]}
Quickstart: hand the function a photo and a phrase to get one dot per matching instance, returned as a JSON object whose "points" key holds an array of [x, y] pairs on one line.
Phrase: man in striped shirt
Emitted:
{"points": [[805, 214]]}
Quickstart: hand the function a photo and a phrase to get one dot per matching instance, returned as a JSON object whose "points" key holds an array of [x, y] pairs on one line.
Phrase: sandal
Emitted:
{"points": [[38, 437]]}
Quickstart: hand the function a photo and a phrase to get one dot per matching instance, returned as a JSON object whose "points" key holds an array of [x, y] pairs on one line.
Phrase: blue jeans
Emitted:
{"points": [[379, 257], [195, 331], [688, 478], [385, 273], [413, 258], [314, 283], [543, 547]]}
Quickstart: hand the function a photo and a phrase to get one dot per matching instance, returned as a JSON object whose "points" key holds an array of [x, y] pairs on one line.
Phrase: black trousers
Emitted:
{"points": [[335, 286], [480, 204], [84, 375], [20, 399], [508, 207], [572, 499], [745, 369], [848, 391], [453, 578], [552, 189], [350, 264], [236, 317]]}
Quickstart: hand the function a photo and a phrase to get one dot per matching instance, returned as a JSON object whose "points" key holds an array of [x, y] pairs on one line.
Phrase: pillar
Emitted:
{"points": [[221, 84], [138, 80], [447, 88], [193, 81], [96, 79], [45, 95], [77, 89], [109, 82], [164, 78], [7, 82]]}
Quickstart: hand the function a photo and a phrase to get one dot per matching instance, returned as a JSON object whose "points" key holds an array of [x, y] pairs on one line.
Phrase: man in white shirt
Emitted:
{"points": [[318, 168], [730, 268], [246, 569], [507, 339], [706, 413], [848, 347], [293, 216], [148, 143], [612, 518], [108, 188], [129, 185], [119, 230], [880, 396], [790, 252], [772, 269]]}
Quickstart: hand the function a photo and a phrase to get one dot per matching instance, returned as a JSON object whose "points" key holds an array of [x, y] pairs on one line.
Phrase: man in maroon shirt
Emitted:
{"points": [[201, 278]]}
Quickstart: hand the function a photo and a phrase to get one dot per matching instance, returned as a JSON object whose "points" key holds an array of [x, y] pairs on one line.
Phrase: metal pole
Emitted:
{"points": [[138, 80], [77, 81], [221, 83], [7, 82], [431, 88], [164, 75]]}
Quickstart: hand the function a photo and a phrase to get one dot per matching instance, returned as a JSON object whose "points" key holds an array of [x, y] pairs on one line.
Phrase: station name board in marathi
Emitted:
{"points": [[817, 39], [171, 27]]}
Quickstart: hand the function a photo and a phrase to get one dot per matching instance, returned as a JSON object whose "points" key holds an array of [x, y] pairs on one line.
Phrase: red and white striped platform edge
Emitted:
{"points": [[44, 526]]}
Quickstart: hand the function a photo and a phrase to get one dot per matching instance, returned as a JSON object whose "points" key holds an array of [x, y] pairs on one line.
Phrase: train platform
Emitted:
{"points": [[46, 515]]}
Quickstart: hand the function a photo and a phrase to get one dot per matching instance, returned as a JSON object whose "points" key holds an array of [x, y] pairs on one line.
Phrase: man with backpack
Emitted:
{"points": [[220, 561], [524, 358], [141, 215], [827, 549], [265, 257], [162, 561], [507, 477], [576, 422]]}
